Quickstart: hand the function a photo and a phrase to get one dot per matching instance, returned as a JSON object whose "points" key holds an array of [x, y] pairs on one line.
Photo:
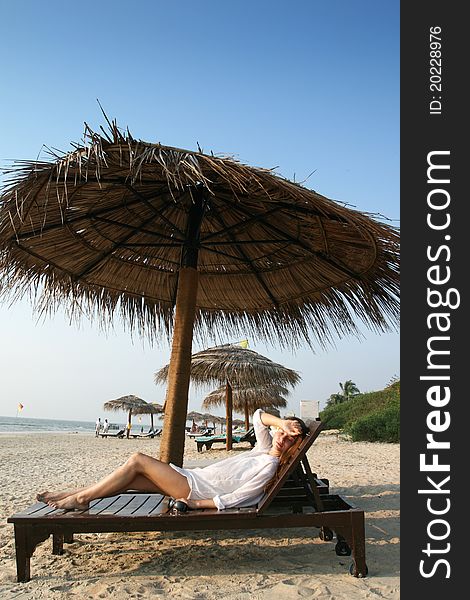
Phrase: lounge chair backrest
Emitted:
{"points": [[248, 435], [297, 455]]}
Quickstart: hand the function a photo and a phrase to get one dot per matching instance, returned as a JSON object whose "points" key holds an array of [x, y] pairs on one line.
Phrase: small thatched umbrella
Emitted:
{"points": [[174, 241], [209, 418], [247, 399], [151, 408], [132, 404], [194, 415], [235, 366]]}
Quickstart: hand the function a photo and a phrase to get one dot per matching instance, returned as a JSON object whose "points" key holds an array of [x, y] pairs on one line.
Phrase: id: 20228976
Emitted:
{"points": [[435, 70]]}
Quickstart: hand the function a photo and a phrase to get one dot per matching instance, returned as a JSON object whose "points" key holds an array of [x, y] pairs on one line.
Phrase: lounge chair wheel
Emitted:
{"points": [[352, 571], [326, 534], [342, 548]]}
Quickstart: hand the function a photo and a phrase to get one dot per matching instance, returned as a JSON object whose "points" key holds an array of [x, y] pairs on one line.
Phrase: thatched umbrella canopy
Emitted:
{"points": [[133, 405], [247, 399], [238, 368], [194, 416], [210, 418], [172, 240], [151, 408]]}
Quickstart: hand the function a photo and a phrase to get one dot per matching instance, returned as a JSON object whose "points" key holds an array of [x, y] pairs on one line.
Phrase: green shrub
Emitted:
{"points": [[381, 426], [373, 416]]}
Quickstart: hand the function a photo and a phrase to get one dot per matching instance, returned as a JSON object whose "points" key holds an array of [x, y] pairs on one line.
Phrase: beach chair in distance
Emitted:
{"points": [[296, 498], [151, 433], [116, 434], [207, 441], [206, 432]]}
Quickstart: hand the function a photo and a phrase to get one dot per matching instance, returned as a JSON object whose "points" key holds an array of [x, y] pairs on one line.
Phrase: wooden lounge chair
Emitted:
{"points": [[151, 433], [206, 432], [118, 434], [296, 498], [208, 440]]}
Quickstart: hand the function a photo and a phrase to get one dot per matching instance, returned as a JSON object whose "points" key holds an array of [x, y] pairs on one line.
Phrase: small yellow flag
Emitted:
{"points": [[243, 343]]}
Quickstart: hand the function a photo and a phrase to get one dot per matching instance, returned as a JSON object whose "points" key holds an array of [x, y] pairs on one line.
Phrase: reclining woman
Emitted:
{"points": [[235, 481]]}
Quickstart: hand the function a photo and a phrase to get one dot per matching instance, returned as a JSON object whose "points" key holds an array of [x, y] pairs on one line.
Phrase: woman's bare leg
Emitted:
{"points": [[138, 470], [140, 483]]}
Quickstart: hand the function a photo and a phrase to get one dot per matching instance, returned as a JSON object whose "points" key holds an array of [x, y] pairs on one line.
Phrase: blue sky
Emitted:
{"points": [[307, 87]]}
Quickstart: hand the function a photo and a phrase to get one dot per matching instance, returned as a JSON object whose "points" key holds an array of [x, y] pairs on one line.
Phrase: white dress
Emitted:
{"points": [[238, 480]]}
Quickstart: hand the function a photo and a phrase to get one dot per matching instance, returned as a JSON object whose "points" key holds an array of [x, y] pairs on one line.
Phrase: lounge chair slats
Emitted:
{"points": [[152, 505], [296, 498]]}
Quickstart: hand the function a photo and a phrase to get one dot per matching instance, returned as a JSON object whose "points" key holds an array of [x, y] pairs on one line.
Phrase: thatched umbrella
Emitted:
{"points": [[210, 418], [247, 399], [238, 368], [194, 416], [133, 405], [152, 408], [174, 241]]}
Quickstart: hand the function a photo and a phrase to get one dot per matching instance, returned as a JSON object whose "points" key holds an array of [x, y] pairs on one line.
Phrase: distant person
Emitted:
{"points": [[105, 426], [236, 481], [97, 427]]}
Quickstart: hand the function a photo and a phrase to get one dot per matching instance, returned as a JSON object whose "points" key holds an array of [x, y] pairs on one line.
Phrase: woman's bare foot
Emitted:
{"points": [[48, 497], [72, 502]]}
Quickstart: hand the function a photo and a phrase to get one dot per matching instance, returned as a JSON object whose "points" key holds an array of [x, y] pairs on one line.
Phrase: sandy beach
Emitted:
{"points": [[284, 563]]}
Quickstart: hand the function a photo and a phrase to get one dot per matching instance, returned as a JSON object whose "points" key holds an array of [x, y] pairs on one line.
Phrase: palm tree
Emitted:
{"points": [[335, 399], [349, 389]]}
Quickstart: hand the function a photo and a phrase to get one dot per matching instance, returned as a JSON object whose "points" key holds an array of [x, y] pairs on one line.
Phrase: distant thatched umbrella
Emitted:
{"points": [[209, 418], [236, 367], [151, 408], [133, 405], [194, 416], [247, 399], [172, 240]]}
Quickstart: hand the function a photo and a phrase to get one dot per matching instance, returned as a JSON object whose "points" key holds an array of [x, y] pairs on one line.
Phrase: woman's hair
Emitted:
{"points": [[286, 455], [303, 426]]}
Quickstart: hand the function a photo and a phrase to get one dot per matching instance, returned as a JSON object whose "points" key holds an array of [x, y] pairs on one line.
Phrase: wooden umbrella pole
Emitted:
{"points": [[228, 414], [247, 417], [179, 370], [176, 403], [128, 428]]}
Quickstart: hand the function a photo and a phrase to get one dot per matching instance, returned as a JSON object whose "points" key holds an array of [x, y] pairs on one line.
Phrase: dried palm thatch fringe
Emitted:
{"points": [[249, 398], [244, 369], [133, 403], [101, 230]]}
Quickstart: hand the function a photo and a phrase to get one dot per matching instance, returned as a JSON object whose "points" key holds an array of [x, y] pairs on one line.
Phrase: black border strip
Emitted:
{"points": [[434, 233]]}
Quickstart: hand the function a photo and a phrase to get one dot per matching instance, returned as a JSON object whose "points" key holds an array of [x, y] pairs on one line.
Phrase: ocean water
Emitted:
{"points": [[25, 425], [21, 424]]}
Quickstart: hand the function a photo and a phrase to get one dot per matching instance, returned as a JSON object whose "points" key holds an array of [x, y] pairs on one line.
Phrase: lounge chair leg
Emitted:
{"points": [[359, 567], [26, 540], [68, 538], [23, 570], [57, 543]]}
